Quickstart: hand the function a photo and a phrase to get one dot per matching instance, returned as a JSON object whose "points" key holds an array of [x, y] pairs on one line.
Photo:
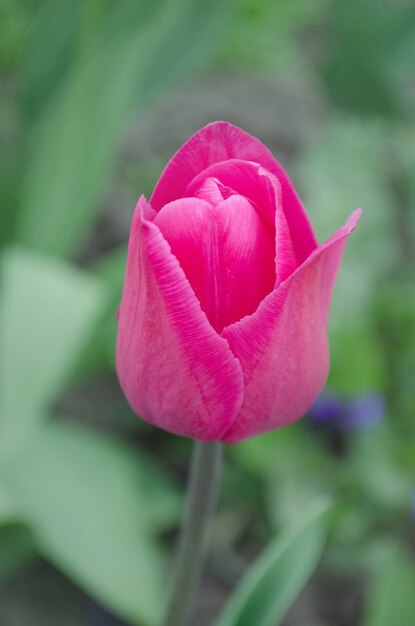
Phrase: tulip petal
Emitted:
{"points": [[283, 347], [263, 189], [220, 247], [175, 370], [246, 179], [286, 261], [220, 141], [213, 191]]}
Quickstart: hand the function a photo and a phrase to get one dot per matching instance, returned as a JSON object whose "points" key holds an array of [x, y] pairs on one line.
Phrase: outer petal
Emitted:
{"points": [[220, 141], [283, 347], [175, 370]]}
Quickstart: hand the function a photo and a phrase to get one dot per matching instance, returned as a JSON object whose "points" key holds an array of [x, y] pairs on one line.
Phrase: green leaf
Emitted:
{"points": [[47, 312], [391, 597], [49, 44], [16, 549], [274, 581], [16, 542], [88, 503], [101, 349], [74, 147], [8, 508], [186, 30]]}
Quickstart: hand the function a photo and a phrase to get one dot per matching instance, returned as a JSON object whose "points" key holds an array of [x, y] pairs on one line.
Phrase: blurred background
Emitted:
{"points": [[95, 98]]}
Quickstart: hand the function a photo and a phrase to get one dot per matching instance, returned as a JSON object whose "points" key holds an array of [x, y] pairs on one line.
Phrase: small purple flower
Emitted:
{"points": [[364, 412], [328, 408], [336, 413]]}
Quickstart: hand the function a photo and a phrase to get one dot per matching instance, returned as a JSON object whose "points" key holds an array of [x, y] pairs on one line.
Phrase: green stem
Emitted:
{"points": [[201, 501]]}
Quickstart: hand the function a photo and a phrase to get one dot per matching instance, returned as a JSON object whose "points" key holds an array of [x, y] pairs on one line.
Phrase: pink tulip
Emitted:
{"points": [[223, 321]]}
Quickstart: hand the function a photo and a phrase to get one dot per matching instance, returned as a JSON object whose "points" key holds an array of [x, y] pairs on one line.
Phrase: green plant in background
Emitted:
{"points": [[374, 75], [121, 59], [391, 597], [264, 34], [275, 579], [92, 506]]}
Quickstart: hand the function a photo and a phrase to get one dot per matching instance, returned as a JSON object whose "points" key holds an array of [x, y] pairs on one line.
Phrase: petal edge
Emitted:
{"points": [[287, 364], [176, 372]]}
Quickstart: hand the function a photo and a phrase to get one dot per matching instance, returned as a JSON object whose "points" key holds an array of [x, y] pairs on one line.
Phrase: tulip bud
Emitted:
{"points": [[223, 321]]}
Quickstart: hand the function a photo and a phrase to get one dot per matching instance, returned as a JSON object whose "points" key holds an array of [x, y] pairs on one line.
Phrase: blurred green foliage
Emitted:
{"points": [[73, 76], [371, 77], [263, 34], [391, 598], [273, 582]]}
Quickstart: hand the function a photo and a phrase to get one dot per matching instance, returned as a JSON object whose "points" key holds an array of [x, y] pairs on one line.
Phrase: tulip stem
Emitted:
{"points": [[202, 495]]}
